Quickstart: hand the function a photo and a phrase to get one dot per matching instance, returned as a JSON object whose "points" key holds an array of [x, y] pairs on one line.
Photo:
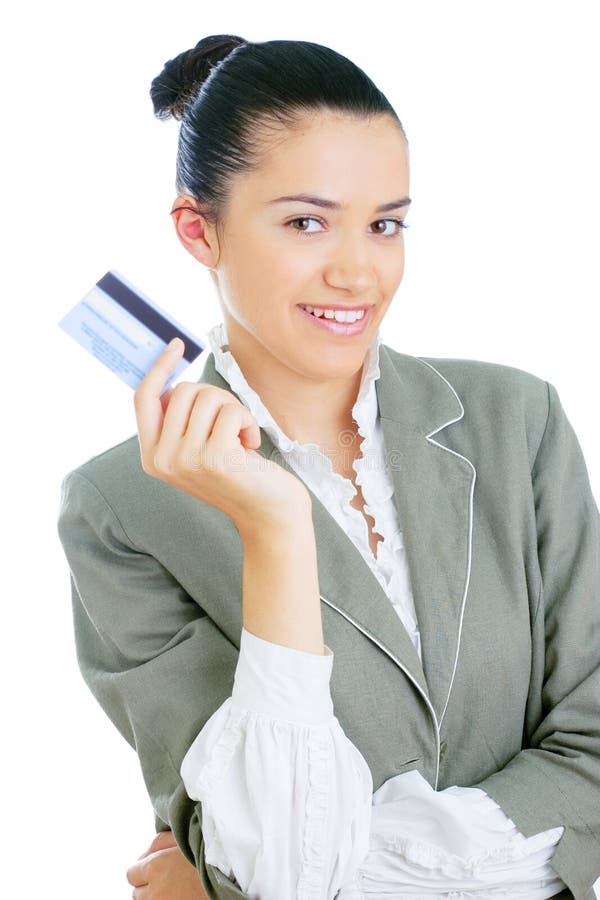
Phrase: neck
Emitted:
{"points": [[306, 409]]}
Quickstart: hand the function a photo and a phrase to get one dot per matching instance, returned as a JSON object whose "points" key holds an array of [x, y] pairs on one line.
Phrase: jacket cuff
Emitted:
{"points": [[282, 682]]}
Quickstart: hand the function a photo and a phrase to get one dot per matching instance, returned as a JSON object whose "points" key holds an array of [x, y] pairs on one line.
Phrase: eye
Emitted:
{"points": [[398, 222], [303, 219]]}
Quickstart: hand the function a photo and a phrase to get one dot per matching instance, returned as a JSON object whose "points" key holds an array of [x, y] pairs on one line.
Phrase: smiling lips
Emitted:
{"points": [[340, 315], [345, 322]]}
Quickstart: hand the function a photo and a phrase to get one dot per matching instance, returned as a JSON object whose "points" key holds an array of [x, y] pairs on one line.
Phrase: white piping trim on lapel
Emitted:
{"points": [[407, 673], [464, 600]]}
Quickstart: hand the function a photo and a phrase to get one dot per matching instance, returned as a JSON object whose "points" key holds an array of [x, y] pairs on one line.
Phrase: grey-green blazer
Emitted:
{"points": [[502, 535]]}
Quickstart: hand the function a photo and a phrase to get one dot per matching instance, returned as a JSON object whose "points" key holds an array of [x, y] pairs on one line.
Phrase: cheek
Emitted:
{"points": [[394, 272], [245, 273], [292, 262], [273, 265]]}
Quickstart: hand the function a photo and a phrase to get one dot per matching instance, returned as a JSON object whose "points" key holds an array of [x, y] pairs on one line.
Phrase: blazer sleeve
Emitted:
{"points": [[556, 779], [156, 663]]}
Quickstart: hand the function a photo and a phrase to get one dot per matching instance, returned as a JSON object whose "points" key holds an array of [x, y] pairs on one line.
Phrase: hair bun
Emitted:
{"points": [[178, 83]]}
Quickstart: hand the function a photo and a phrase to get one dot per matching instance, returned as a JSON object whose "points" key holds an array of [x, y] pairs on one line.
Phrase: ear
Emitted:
{"points": [[196, 234]]}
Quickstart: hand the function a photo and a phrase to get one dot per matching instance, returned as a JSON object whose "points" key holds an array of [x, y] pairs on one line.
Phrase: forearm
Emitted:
{"points": [[280, 584]]}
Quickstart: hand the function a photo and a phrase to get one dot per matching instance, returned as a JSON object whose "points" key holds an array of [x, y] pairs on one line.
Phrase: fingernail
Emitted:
{"points": [[175, 342]]}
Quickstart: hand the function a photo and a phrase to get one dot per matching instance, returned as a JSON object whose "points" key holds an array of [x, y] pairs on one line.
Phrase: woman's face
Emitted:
{"points": [[275, 255]]}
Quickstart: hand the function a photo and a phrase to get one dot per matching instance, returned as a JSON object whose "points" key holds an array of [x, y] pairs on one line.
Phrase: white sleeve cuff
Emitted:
{"points": [[282, 682]]}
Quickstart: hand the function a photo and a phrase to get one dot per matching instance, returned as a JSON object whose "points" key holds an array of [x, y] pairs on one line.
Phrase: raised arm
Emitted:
{"points": [[158, 665]]}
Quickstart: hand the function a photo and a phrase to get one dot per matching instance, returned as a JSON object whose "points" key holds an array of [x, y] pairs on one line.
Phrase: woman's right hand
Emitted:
{"points": [[201, 439]]}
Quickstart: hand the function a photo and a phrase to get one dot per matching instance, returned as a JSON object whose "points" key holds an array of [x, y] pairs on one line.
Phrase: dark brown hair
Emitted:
{"points": [[233, 98]]}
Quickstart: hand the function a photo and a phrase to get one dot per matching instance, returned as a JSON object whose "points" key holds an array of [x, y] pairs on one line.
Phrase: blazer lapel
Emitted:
{"points": [[432, 490]]}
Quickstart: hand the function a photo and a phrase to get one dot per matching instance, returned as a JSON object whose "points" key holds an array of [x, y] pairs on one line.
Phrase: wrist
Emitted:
{"points": [[266, 530], [280, 583]]}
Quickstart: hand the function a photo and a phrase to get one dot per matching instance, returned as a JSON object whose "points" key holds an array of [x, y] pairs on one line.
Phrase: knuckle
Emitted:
{"points": [[146, 464], [184, 389], [202, 458], [139, 394], [182, 458], [150, 867], [230, 399], [195, 458], [217, 394], [162, 462]]}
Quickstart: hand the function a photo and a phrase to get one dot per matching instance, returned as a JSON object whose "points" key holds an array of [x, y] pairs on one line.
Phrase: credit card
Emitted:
{"points": [[126, 330]]}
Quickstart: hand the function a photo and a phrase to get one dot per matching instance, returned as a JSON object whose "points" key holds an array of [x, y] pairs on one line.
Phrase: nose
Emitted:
{"points": [[351, 265]]}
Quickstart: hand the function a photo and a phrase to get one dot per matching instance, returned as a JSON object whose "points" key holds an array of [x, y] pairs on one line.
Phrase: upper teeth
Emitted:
{"points": [[340, 315]]}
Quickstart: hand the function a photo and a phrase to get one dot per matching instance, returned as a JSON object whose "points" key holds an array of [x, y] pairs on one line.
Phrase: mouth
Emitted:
{"points": [[328, 319]]}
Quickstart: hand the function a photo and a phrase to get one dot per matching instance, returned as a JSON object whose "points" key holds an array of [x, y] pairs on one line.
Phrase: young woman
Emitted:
{"points": [[343, 601]]}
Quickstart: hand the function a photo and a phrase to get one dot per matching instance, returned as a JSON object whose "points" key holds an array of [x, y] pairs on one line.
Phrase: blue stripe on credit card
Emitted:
{"points": [[125, 330]]}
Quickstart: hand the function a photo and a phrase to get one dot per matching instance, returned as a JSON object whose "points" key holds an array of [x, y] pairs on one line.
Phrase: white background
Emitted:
{"points": [[499, 101]]}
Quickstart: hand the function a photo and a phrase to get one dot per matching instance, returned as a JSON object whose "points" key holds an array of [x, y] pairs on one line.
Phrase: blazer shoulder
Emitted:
{"points": [[496, 397], [112, 491], [477, 380], [115, 472], [466, 373]]}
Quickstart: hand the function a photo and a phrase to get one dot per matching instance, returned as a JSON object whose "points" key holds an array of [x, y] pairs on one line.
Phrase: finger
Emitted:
{"points": [[203, 417], [136, 874], [146, 399], [185, 397], [203, 414], [165, 398], [250, 436], [203, 421], [141, 893], [178, 411], [232, 419]]}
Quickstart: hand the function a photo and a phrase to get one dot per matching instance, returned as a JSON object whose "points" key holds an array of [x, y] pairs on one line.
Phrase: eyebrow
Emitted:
{"points": [[332, 204]]}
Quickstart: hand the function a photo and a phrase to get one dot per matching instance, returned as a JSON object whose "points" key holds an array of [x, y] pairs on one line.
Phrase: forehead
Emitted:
{"points": [[335, 155]]}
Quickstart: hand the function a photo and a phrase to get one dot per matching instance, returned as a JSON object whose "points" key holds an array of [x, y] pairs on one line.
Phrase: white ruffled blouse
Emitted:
{"points": [[288, 809]]}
